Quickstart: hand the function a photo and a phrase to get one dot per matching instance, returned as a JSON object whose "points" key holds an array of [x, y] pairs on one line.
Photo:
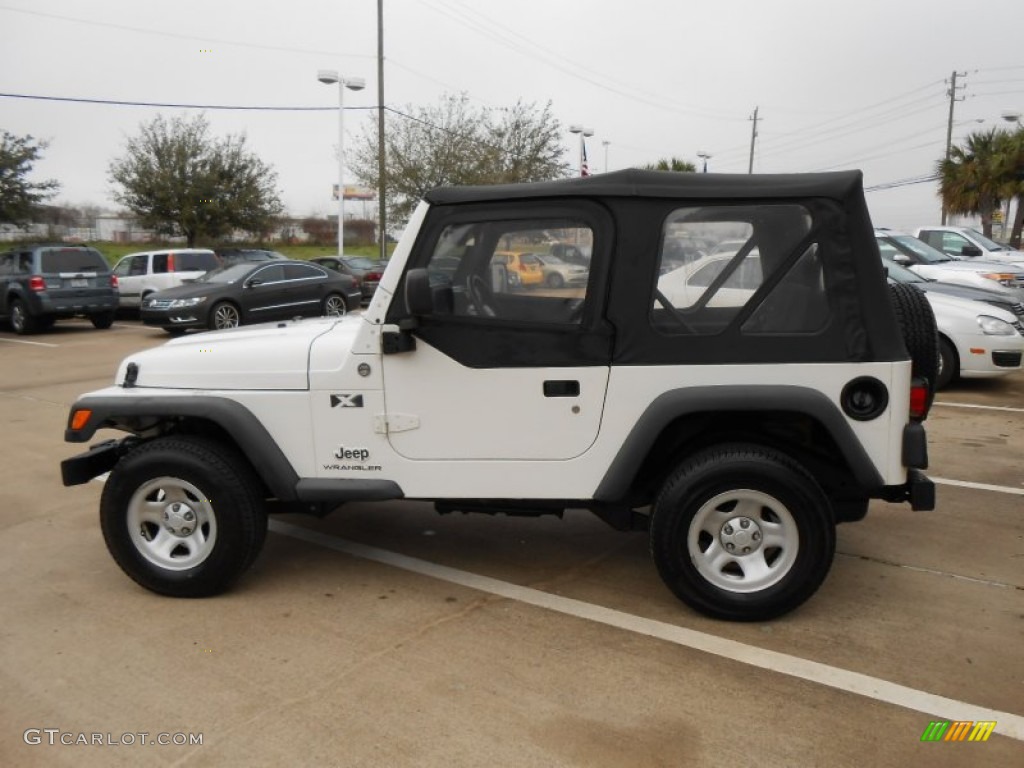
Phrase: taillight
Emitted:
{"points": [[918, 399], [372, 276], [113, 281], [36, 283]]}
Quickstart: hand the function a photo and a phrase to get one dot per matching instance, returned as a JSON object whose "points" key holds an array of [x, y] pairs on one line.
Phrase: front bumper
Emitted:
{"points": [[100, 458], [188, 317]]}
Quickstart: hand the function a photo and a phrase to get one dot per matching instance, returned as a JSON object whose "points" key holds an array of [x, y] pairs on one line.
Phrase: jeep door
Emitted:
{"points": [[501, 370]]}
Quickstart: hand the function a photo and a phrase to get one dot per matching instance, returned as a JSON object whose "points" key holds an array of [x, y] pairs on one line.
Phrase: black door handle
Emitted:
{"points": [[561, 388]]}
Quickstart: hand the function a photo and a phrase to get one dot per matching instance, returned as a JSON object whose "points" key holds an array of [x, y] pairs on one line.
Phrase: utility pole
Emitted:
{"points": [[953, 88], [753, 138], [381, 165]]}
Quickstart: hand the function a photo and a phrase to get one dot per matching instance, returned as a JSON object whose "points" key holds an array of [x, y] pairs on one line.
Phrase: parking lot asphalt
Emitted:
{"points": [[386, 635]]}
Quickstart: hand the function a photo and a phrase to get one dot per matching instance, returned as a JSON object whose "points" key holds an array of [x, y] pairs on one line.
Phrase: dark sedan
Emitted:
{"points": [[367, 271], [246, 293]]}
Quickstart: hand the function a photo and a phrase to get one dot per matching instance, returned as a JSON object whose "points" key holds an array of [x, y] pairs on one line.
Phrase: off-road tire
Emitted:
{"points": [[920, 334], [211, 481], [742, 490]]}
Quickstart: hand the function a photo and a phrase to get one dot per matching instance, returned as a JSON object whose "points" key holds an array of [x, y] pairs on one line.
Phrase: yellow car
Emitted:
{"points": [[524, 265]]}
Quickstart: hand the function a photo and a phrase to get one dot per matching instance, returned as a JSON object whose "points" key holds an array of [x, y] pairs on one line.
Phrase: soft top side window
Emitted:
{"points": [[757, 265], [494, 270]]}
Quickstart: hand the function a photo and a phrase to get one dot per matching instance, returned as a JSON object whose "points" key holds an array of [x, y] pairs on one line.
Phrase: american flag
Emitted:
{"points": [[584, 168]]}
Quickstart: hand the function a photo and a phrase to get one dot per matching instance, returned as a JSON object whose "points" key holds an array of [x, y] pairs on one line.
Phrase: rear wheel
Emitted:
{"points": [[224, 315], [742, 532], [21, 321], [182, 516], [334, 305], [103, 321]]}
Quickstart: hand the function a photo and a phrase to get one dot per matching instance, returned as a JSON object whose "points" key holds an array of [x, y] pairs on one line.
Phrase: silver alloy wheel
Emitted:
{"points": [[171, 523], [225, 316], [334, 305], [743, 541], [17, 316]]}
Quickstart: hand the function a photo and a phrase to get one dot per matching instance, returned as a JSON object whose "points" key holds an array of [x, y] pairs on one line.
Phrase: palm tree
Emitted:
{"points": [[970, 179], [672, 164], [1011, 171]]}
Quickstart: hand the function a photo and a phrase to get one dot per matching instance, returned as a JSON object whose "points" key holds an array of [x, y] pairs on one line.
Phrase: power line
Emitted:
{"points": [[913, 180], [114, 102], [184, 36]]}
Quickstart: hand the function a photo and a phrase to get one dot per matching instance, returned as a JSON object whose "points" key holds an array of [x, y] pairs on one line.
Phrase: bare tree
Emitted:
{"points": [[452, 143]]}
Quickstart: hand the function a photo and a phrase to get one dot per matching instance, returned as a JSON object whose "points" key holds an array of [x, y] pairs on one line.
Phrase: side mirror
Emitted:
{"points": [[424, 297], [418, 297], [253, 282], [902, 258], [970, 250]]}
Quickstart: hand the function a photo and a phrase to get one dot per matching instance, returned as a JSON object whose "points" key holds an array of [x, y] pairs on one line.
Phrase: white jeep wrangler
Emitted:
{"points": [[738, 404]]}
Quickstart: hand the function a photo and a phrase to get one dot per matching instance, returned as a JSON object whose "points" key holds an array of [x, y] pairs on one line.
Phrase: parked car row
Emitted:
{"points": [[175, 289], [246, 292], [977, 304], [366, 272]]}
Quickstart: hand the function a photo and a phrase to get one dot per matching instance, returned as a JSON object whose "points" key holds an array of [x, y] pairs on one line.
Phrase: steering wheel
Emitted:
{"points": [[479, 296]]}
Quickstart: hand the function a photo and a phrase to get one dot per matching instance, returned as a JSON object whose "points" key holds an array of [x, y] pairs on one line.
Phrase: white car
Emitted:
{"points": [[558, 273], [976, 340], [933, 264], [140, 274], [968, 243]]}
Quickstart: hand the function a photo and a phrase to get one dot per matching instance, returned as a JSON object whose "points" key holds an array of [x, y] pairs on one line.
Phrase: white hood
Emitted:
{"points": [[268, 356]]}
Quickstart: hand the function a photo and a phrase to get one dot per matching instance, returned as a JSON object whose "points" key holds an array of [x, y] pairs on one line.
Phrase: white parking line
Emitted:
{"points": [[33, 343], [978, 486], [981, 407], [1009, 724]]}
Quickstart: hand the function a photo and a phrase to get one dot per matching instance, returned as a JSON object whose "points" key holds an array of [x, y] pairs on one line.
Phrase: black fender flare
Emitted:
{"points": [[248, 432], [695, 400]]}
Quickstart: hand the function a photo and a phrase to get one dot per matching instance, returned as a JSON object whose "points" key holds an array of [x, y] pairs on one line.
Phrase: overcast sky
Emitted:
{"points": [[838, 85]]}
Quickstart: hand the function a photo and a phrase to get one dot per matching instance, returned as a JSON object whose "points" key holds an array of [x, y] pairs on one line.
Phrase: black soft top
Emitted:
{"points": [[841, 185]]}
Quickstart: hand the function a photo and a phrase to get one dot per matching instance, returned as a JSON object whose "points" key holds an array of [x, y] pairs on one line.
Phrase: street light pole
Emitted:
{"points": [[606, 143], [330, 77], [583, 132], [1010, 117], [705, 157]]}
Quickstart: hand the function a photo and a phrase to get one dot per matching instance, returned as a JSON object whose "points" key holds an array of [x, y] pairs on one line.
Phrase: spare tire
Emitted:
{"points": [[920, 334]]}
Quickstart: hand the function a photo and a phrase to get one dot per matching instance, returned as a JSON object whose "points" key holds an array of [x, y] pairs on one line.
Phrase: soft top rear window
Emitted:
{"points": [[72, 260]]}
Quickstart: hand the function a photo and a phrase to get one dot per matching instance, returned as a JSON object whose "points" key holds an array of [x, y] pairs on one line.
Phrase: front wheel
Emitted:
{"points": [[949, 364], [742, 533], [183, 516]]}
